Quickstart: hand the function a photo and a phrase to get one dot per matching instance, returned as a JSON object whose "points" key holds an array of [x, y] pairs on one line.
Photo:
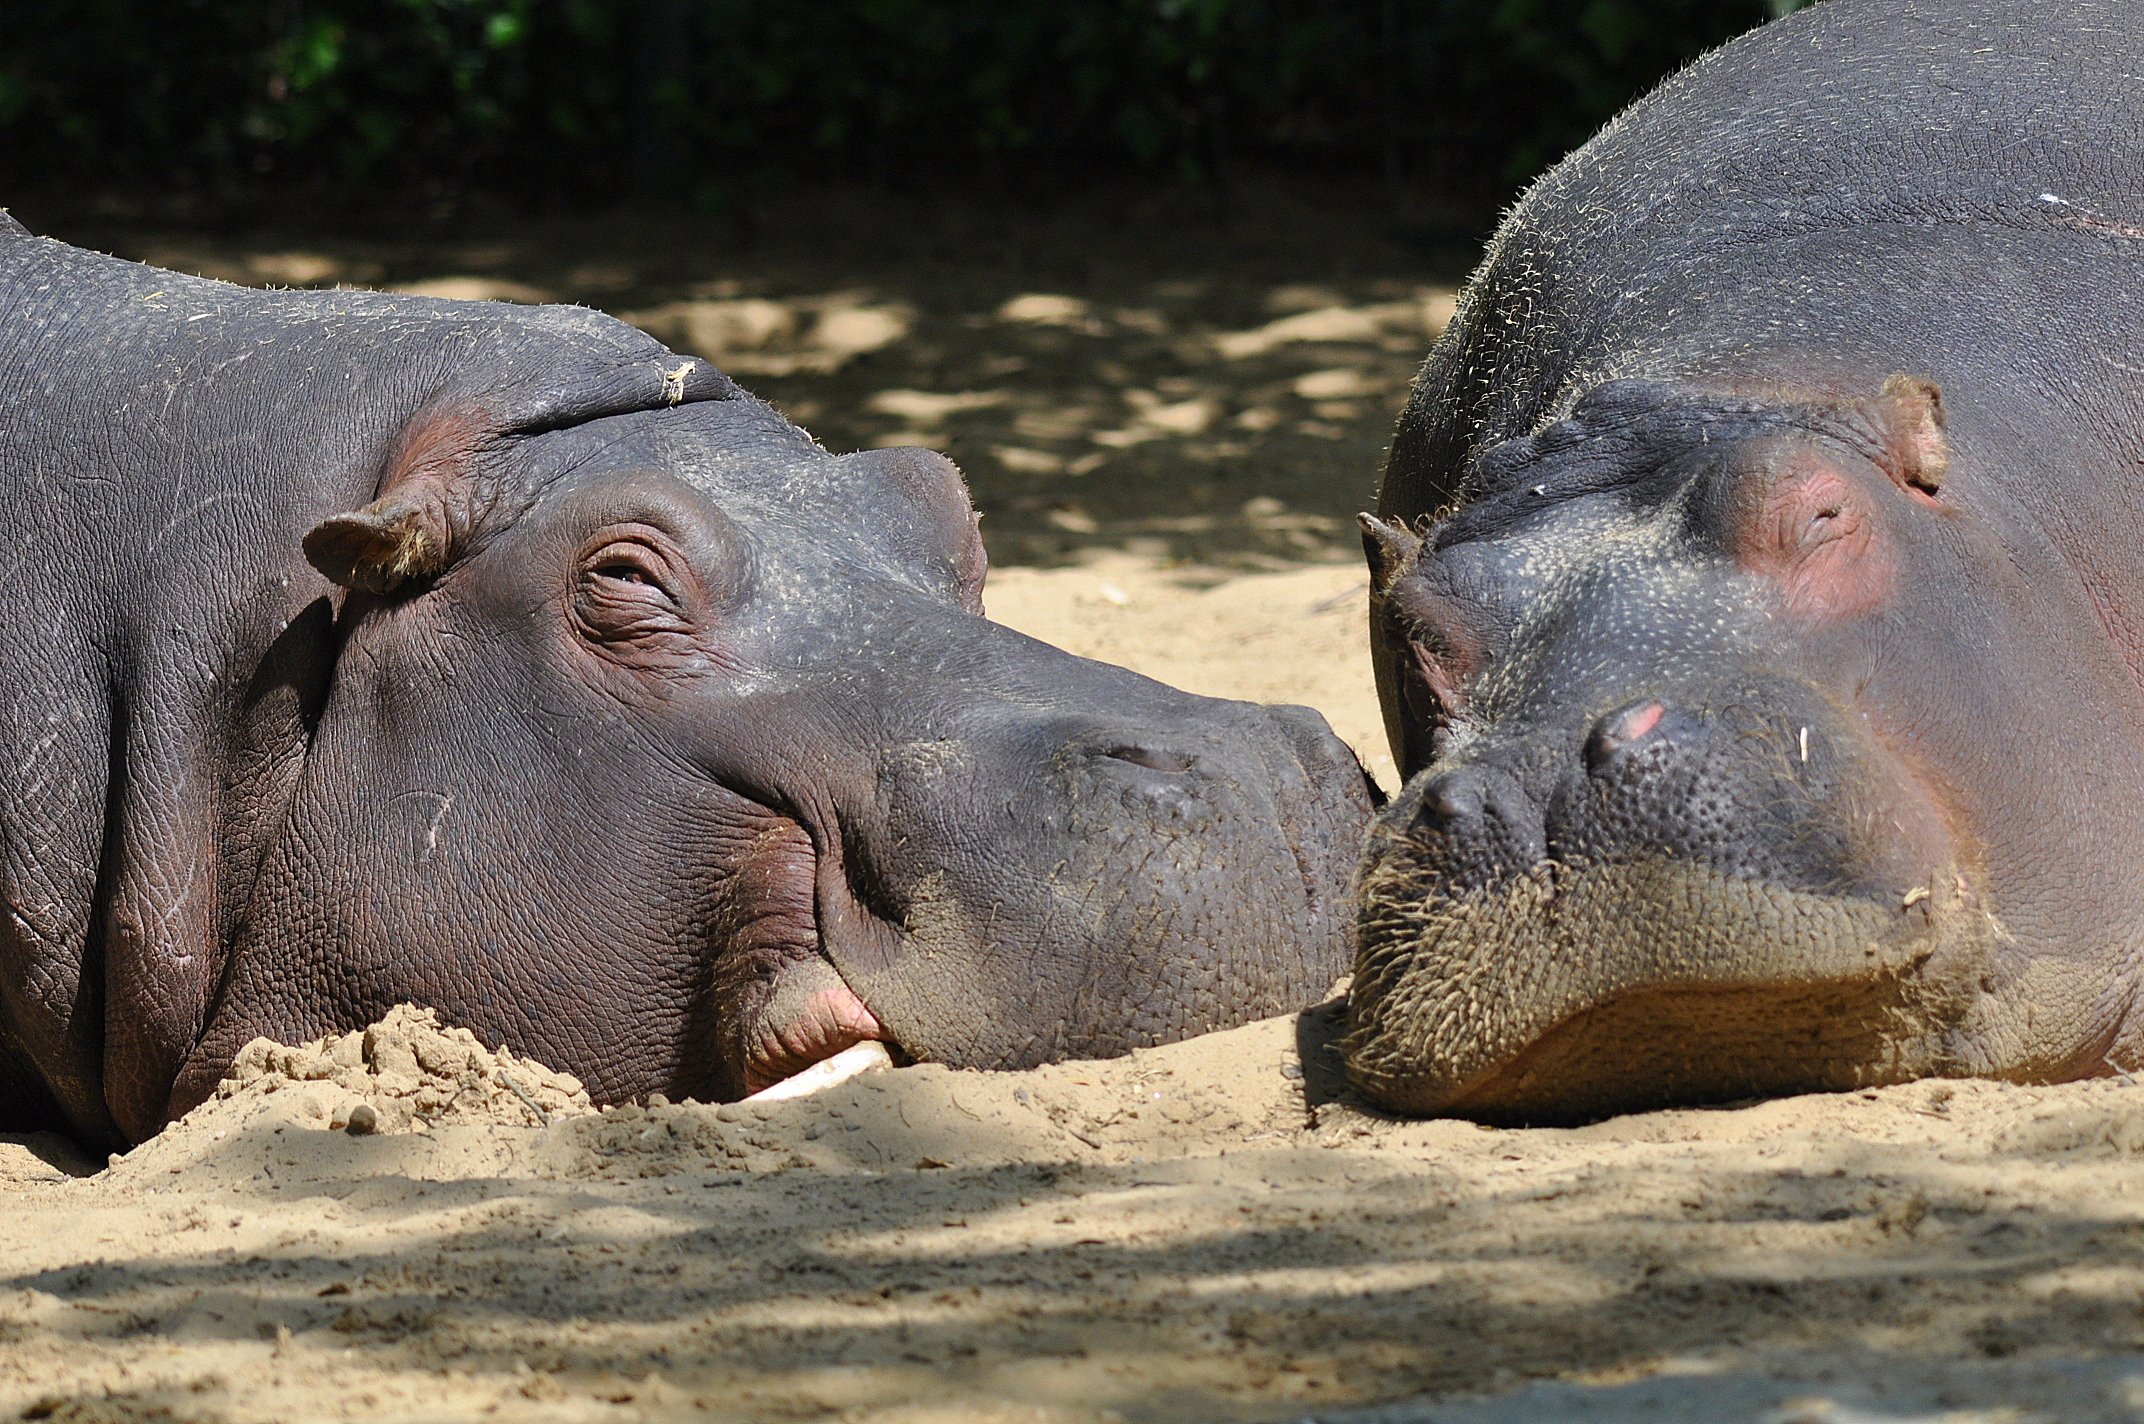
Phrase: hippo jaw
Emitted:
{"points": [[785, 1006], [1567, 993]]}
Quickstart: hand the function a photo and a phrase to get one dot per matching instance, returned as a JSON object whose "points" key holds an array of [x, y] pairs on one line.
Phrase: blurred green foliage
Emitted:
{"points": [[580, 101]]}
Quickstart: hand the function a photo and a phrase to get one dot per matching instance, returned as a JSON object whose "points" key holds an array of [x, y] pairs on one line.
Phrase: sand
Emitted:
{"points": [[1198, 1232]]}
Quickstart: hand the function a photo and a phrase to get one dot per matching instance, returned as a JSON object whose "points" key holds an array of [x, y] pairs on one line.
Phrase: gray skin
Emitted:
{"points": [[363, 648], [1758, 597]]}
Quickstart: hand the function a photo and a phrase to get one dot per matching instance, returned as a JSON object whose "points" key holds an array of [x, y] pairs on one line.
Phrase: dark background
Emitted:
{"points": [[223, 107]]}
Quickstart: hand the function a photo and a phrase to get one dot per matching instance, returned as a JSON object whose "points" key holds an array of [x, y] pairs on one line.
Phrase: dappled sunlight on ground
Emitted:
{"points": [[1168, 421], [1182, 386], [1198, 1232]]}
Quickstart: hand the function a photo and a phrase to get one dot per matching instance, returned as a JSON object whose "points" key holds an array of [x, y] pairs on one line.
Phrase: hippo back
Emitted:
{"points": [[1861, 166]]}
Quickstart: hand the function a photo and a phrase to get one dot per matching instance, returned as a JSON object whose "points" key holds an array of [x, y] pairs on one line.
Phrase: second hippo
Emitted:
{"points": [[1759, 589]]}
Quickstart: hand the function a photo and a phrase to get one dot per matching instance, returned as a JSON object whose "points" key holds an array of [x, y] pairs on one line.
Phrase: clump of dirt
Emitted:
{"points": [[406, 1073]]}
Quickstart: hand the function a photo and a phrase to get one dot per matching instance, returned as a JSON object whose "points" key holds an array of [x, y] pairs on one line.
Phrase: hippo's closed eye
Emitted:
{"points": [[1447, 638], [1807, 524], [633, 587]]}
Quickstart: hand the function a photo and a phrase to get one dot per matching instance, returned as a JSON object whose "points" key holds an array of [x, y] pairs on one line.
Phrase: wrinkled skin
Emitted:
{"points": [[365, 649], [1758, 592]]}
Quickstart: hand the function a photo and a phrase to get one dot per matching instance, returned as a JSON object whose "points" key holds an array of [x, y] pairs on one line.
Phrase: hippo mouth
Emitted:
{"points": [[783, 1005], [809, 1015], [1557, 997]]}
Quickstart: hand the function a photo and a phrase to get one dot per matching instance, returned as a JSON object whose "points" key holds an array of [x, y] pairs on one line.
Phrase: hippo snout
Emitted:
{"points": [[1482, 818], [1678, 899], [1283, 755], [1151, 778], [1078, 883]]}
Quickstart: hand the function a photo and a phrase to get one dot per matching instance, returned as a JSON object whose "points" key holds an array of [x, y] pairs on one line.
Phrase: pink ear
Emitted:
{"points": [[422, 518], [1909, 413], [376, 549]]}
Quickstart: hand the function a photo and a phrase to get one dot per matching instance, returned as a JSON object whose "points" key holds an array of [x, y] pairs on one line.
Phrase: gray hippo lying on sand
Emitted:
{"points": [[363, 648], [1759, 589]]}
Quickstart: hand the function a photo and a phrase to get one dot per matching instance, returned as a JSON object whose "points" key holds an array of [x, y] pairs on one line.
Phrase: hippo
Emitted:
{"points": [[1758, 590], [364, 648]]}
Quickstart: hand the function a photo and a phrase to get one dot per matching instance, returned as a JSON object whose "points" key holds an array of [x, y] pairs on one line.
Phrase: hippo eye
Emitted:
{"points": [[1446, 647], [623, 572], [631, 563], [1804, 525], [625, 593], [1437, 693]]}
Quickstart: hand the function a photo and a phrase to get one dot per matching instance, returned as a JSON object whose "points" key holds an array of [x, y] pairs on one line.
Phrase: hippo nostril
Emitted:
{"points": [[1486, 812], [1626, 727], [1152, 758], [1452, 800]]}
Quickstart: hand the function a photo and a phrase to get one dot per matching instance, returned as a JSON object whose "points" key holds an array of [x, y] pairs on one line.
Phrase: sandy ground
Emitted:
{"points": [[1199, 1232], [1167, 424]]}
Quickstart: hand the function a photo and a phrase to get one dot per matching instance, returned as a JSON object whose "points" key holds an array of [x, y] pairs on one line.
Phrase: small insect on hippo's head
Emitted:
{"points": [[1689, 707], [672, 748]]}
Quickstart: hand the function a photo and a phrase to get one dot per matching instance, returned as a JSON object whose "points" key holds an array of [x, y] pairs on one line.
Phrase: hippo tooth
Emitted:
{"points": [[867, 1057]]}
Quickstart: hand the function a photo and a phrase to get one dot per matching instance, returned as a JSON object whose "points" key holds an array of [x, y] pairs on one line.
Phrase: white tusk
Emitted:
{"points": [[858, 1058]]}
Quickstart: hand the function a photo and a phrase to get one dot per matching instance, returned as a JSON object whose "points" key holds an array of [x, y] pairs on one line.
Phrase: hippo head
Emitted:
{"points": [[677, 751], [1695, 721]]}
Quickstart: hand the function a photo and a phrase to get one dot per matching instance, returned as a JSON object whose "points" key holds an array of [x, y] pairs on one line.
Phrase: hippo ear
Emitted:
{"points": [[1909, 413], [423, 515], [942, 533], [380, 548], [1389, 547]]}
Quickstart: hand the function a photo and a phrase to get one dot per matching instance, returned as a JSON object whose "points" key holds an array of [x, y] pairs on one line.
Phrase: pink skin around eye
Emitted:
{"points": [[1443, 645], [1813, 534], [1445, 681]]}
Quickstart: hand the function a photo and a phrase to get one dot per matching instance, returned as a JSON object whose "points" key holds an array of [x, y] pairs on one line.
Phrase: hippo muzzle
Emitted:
{"points": [[1031, 882], [1724, 907]]}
